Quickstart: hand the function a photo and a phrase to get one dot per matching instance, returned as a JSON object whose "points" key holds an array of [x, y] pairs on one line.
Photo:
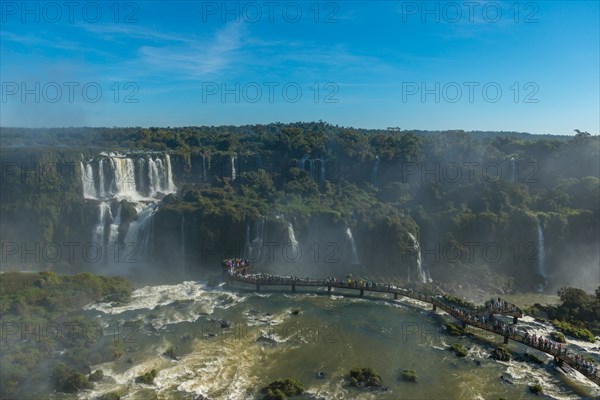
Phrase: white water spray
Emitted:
{"points": [[355, 259], [540, 264]]}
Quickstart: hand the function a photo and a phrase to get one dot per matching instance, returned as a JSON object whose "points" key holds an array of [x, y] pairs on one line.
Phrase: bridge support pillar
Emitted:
{"points": [[505, 339], [257, 287], [434, 307], [515, 320], [362, 292], [395, 296], [329, 289]]}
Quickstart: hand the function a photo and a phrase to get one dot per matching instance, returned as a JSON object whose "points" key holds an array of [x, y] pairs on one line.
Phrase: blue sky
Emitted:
{"points": [[524, 66]]}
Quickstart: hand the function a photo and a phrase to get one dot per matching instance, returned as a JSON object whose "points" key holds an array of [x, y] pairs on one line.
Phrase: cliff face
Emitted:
{"points": [[399, 213]]}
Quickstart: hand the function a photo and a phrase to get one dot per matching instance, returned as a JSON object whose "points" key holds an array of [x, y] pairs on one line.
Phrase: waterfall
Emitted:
{"points": [[104, 215], [540, 261], [87, 179], [140, 230], [101, 188], [136, 179], [512, 169], [183, 270], [355, 259], [143, 183], [293, 241], [253, 248], [375, 171], [233, 174], [124, 177], [422, 277], [247, 245], [292, 235], [170, 185], [312, 169], [113, 233]]}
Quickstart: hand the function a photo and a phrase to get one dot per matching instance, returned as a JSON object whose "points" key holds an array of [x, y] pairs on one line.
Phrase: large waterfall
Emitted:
{"points": [[140, 179], [540, 261], [355, 259], [129, 177]]}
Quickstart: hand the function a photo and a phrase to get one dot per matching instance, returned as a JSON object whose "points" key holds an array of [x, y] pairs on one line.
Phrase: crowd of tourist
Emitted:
{"points": [[231, 264], [498, 304]]}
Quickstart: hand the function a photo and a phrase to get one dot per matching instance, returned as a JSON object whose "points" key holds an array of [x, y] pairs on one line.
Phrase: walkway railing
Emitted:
{"points": [[479, 317]]}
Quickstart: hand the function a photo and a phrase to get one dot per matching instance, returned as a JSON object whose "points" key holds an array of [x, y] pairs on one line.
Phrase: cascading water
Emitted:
{"points": [[355, 259], [233, 173], [540, 261], [421, 275], [113, 233], [375, 171], [140, 230], [312, 170], [101, 187], [293, 241], [513, 169], [138, 180], [104, 216], [120, 176], [87, 179]]}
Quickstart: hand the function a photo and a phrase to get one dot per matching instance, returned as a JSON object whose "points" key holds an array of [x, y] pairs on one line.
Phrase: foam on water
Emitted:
{"points": [[150, 297]]}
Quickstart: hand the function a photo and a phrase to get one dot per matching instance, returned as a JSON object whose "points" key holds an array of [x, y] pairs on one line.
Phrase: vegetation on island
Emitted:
{"points": [[364, 377], [458, 349], [501, 353], [454, 330], [536, 388], [147, 378], [282, 388], [409, 375], [50, 305]]}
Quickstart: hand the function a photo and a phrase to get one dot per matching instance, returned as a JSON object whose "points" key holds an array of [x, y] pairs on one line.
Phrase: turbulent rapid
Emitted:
{"points": [[230, 341]]}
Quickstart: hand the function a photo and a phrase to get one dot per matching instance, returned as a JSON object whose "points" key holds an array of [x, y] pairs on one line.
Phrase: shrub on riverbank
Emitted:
{"points": [[558, 337], [458, 301], [578, 332]]}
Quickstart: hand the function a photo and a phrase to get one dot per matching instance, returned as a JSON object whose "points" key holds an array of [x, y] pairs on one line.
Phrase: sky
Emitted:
{"points": [[473, 65]]}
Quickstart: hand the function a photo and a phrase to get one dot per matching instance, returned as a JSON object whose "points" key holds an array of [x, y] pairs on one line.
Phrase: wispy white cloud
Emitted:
{"points": [[197, 58]]}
